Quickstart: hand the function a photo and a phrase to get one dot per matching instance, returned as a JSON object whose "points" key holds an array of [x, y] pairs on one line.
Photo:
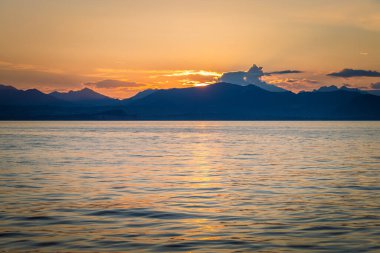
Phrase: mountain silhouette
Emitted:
{"points": [[235, 102], [85, 96], [373, 92], [138, 96], [220, 101], [11, 96], [335, 88]]}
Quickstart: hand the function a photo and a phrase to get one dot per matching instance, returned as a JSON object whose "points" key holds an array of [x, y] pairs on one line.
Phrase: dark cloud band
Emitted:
{"points": [[346, 73], [283, 72]]}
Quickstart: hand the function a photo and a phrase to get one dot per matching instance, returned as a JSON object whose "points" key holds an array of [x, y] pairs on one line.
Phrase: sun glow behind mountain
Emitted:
{"points": [[201, 84], [194, 72]]}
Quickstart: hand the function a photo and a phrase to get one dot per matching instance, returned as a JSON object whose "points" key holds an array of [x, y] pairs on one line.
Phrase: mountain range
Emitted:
{"points": [[220, 101], [85, 96]]}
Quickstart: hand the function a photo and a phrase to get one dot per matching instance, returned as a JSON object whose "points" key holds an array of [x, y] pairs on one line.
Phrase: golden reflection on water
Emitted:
{"points": [[190, 186]]}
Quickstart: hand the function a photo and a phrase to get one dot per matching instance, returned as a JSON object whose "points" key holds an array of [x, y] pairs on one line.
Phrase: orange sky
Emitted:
{"points": [[121, 47]]}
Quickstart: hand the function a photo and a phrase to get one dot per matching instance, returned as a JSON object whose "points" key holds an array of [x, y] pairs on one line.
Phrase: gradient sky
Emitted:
{"points": [[121, 47]]}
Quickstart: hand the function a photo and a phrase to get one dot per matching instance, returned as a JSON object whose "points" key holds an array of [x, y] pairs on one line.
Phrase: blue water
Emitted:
{"points": [[190, 186]]}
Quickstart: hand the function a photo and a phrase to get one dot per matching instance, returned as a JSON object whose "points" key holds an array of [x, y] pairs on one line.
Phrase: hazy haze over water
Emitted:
{"points": [[190, 186]]}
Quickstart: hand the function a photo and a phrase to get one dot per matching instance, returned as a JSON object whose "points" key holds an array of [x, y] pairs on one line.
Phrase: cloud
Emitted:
{"points": [[237, 77], [161, 78], [26, 79], [346, 73], [194, 78], [193, 72], [187, 78], [26, 76], [5, 65], [294, 80], [375, 86], [296, 85], [110, 84], [283, 72], [252, 76]]}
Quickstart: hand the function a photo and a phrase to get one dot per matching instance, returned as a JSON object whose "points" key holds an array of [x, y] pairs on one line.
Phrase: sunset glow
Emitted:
{"points": [[189, 126], [165, 43]]}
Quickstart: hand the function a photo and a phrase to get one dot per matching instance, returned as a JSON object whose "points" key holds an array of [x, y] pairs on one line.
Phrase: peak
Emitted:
{"points": [[6, 87], [33, 90], [86, 89], [255, 71], [335, 88], [220, 85], [255, 67], [327, 88], [79, 95]]}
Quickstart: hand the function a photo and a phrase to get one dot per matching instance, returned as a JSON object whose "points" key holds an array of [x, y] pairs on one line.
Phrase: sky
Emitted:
{"points": [[119, 48]]}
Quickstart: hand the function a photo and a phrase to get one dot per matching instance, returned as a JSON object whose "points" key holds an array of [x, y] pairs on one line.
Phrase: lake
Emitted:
{"points": [[190, 186]]}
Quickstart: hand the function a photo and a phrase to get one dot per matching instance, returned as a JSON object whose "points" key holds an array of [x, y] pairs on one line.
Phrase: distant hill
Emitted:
{"points": [[221, 101], [335, 88], [138, 96], [6, 87], [374, 92], [234, 102], [11, 96], [85, 96]]}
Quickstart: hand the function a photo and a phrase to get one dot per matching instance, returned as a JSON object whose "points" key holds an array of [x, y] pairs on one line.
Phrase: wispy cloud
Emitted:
{"points": [[25, 76], [295, 84], [194, 72], [159, 78], [5, 65], [110, 84], [168, 72], [375, 86]]}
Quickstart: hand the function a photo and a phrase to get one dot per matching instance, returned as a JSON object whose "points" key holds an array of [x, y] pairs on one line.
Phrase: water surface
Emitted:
{"points": [[190, 186]]}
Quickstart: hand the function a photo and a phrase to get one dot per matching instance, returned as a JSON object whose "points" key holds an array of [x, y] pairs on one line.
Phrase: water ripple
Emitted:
{"points": [[189, 186]]}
